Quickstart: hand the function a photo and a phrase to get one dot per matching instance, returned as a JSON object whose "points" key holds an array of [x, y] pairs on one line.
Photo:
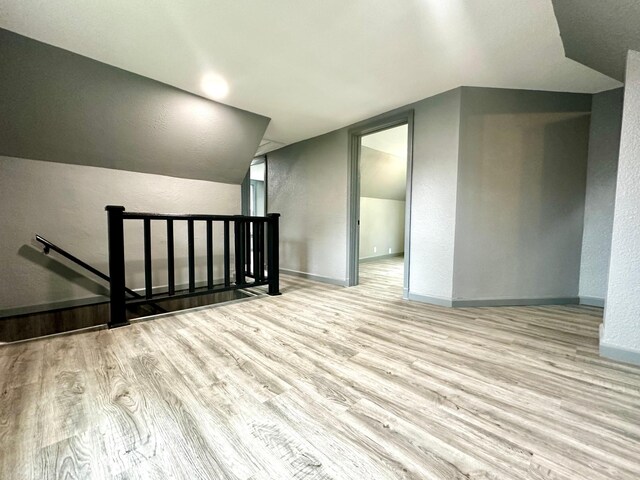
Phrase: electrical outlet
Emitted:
{"points": [[389, 249], [375, 249]]}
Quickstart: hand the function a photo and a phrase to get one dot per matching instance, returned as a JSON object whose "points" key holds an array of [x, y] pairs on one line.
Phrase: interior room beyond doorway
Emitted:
{"points": [[383, 185]]}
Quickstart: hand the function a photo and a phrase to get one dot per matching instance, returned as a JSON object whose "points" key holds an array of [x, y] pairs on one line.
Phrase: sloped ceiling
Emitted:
{"points": [[315, 66], [392, 141], [62, 107], [598, 33]]}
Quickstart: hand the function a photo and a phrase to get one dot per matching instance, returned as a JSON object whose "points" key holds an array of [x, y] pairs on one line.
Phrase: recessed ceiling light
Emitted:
{"points": [[214, 86]]}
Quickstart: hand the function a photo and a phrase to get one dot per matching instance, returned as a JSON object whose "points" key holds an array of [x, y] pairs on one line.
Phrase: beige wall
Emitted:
{"points": [[382, 175], [381, 227]]}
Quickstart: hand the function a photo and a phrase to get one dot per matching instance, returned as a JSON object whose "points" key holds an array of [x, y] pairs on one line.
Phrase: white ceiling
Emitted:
{"points": [[392, 141], [314, 66]]}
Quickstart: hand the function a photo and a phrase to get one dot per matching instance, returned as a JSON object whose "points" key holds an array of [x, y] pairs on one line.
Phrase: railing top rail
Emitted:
{"points": [[187, 216]]}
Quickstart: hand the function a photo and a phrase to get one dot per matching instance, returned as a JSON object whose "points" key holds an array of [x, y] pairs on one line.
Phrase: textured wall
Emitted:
{"points": [[381, 227], [622, 321], [65, 204], [521, 184], [308, 186], [604, 148], [62, 107], [434, 184]]}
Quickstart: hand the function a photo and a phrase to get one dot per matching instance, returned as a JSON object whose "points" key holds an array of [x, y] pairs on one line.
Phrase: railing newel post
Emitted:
{"points": [[227, 256], [117, 306], [191, 255], [273, 253]]}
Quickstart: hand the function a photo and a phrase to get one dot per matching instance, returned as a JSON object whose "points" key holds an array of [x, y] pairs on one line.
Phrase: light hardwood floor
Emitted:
{"points": [[324, 383]]}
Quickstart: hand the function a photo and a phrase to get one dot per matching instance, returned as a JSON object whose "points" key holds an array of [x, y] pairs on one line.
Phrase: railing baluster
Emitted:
{"points": [[209, 254], [192, 259], [246, 225], [227, 255], [256, 251], [260, 267], [171, 272], [239, 250], [117, 307], [148, 280], [273, 253]]}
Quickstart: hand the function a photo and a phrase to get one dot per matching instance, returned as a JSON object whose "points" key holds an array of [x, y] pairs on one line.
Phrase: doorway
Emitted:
{"points": [[254, 198], [254, 189], [380, 194]]}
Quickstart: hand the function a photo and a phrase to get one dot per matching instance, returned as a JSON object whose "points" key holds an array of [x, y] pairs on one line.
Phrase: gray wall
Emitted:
{"points": [[521, 184], [433, 202], [498, 188], [62, 107], [621, 336], [308, 185], [604, 148], [65, 204]]}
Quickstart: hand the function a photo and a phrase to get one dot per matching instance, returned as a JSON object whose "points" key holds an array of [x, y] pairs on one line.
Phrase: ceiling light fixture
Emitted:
{"points": [[214, 86]]}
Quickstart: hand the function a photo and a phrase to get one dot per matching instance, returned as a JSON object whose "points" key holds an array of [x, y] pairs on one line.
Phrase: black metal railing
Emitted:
{"points": [[256, 257]]}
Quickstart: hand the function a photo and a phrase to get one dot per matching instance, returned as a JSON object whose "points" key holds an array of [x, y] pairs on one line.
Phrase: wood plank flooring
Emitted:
{"points": [[324, 382]]}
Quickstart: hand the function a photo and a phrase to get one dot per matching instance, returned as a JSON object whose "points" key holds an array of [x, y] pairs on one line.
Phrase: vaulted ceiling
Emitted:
{"points": [[314, 66]]}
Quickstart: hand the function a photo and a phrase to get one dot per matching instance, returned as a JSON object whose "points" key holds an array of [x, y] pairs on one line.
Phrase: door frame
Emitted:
{"points": [[378, 124]]}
